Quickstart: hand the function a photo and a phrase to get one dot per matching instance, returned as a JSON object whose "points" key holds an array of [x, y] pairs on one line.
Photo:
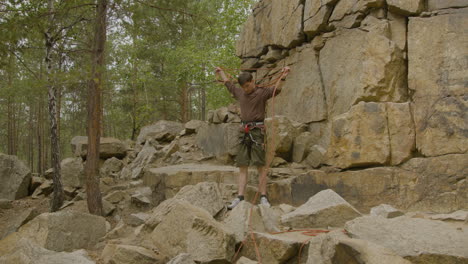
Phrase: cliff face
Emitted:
{"points": [[378, 83]]}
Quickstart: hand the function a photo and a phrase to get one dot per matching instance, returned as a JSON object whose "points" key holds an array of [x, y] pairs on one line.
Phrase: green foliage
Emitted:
{"points": [[160, 59]]}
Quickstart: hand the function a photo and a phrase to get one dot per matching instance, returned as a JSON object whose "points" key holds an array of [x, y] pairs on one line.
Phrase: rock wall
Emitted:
{"points": [[378, 83], [393, 62]]}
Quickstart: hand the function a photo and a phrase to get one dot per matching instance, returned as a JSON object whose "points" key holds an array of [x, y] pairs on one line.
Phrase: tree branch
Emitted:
{"points": [[175, 10], [24, 64]]}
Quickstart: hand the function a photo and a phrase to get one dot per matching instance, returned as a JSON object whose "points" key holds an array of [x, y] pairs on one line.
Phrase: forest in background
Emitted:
{"points": [[159, 59]]}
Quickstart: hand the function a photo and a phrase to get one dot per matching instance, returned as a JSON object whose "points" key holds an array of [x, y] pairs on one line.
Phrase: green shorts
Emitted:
{"points": [[251, 152]]}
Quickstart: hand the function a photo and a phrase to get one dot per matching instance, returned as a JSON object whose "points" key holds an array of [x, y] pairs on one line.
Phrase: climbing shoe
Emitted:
{"points": [[264, 201], [234, 203]]}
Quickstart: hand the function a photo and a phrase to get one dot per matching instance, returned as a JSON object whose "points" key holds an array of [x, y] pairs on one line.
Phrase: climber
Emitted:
{"points": [[252, 101]]}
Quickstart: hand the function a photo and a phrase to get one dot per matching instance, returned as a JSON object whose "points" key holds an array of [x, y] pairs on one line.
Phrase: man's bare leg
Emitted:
{"points": [[262, 185], [243, 172]]}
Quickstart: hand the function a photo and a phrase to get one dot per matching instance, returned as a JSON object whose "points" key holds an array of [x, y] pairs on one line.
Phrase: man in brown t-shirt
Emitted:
{"points": [[252, 100]]}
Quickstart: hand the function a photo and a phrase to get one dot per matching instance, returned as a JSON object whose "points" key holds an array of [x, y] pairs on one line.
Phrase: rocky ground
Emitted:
{"points": [[165, 202]]}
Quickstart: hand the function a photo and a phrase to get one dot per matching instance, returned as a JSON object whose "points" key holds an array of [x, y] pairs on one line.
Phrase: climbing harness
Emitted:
{"points": [[249, 126]]}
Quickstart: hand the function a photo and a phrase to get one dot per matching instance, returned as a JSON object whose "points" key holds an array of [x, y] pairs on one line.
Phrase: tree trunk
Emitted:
{"points": [[183, 103], [31, 137], [58, 196], [94, 111]]}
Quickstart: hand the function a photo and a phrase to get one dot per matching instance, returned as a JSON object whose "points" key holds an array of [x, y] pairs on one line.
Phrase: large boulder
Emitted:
{"points": [[65, 230], [192, 126], [205, 195], [108, 147], [302, 97], [135, 169], [336, 247], [18, 250], [219, 139], [274, 249], [272, 23], [111, 168], [372, 67], [15, 178], [242, 218], [439, 82], [162, 130], [372, 134], [198, 233], [324, 209], [418, 240], [73, 174]]}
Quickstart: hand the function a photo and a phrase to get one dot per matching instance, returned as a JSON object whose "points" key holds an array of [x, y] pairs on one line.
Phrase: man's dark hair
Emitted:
{"points": [[244, 77]]}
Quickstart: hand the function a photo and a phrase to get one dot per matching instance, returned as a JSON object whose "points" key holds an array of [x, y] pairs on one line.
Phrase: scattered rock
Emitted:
{"points": [[35, 182], [324, 209], [386, 211], [108, 147], [45, 189], [116, 197], [108, 208], [18, 250], [15, 178], [197, 229], [285, 131], [238, 220], [65, 230], [274, 249], [48, 174], [163, 130], [137, 219], [73, 172], [192, 126], [336, 247], [111, 168], [146, 156], [219, 140], [205, 195], [270, 218], [21, 219]]}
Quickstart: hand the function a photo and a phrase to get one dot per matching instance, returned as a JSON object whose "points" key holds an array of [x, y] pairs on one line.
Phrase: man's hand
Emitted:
{"points": [[220, 71], [285, 72]]}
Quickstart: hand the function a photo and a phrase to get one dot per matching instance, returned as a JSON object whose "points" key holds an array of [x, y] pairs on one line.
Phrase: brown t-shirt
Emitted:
{"points": [[252, 105]]}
